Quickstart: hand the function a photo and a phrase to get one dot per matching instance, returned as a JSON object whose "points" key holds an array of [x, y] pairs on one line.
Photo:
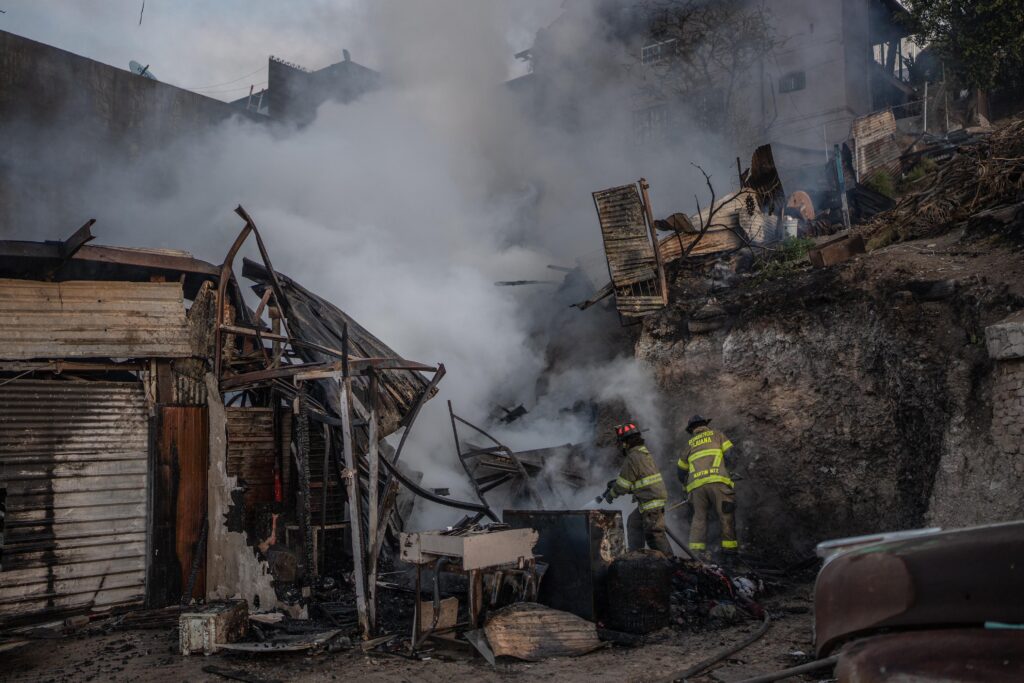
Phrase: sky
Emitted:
{"points": [[221, 48]]}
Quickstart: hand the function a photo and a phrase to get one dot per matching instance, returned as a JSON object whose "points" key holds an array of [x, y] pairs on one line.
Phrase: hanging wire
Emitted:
{"points": [[217, 85]]}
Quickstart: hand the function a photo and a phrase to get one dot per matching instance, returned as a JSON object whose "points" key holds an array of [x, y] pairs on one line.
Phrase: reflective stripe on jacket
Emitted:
{"points": [[640, 476], [704, 461]]}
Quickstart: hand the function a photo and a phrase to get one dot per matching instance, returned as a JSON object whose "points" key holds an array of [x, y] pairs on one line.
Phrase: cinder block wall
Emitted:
{"points": [[1008, 409]]}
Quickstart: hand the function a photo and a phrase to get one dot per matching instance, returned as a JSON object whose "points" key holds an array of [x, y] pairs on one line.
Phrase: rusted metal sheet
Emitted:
{"points": [[85, 319], [874, 145], [975, 655], [180, 504], [74, 459], [632, 263], [958, 577]]}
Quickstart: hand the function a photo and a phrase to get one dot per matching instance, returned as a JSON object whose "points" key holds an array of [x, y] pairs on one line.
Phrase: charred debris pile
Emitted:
{"points": [[880, 186]]}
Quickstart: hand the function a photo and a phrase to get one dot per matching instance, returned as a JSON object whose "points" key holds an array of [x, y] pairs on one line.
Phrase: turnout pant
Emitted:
{"points": [[648, 527], [721, 499]]}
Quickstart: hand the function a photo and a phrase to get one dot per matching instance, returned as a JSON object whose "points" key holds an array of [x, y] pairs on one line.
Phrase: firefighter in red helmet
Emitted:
{"points": [[640, 476]]}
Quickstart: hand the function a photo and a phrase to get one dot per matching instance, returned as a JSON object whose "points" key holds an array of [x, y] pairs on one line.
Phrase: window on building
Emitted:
{"points": [[651, 124], [657, 52], [792, 82]]}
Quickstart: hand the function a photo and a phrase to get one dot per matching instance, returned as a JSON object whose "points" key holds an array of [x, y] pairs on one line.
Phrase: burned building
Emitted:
{"points": [[161, 441], [294, 93], [64, 114]]}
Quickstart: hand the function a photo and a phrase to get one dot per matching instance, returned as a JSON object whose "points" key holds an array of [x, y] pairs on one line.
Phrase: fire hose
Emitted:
{"points": [[715, 659]]}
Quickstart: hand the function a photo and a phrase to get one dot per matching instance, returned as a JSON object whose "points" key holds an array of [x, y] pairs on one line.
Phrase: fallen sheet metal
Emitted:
{"points": [[316, 320], [285, 643]]}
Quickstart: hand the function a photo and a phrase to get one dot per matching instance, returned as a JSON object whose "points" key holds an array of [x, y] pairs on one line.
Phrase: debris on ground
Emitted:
{"points": [[532, 632], [980, 178]]}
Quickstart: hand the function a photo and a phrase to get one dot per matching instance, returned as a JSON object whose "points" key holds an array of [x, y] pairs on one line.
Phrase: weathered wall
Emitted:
{"points": [[62, 116], [990, 471], [856, 409]]}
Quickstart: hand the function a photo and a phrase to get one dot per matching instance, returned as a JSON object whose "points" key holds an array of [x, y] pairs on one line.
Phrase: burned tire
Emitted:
{"points": [[639, 587]]}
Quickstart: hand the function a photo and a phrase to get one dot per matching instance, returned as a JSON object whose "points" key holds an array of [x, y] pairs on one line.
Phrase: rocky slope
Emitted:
{"points": [[861, 396]]}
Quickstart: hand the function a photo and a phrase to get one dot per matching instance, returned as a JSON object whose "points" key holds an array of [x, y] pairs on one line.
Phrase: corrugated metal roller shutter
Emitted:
{"points": [[73, 456]]}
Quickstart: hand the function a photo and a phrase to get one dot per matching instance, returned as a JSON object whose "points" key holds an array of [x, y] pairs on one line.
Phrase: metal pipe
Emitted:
{"points": [[434, 498]]}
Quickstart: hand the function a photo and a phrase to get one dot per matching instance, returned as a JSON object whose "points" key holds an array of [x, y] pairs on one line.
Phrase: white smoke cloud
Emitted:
{"points": [[404, 208]]}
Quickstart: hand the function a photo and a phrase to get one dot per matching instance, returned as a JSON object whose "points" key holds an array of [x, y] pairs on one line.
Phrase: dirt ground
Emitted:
{"points": [[151, 655]]}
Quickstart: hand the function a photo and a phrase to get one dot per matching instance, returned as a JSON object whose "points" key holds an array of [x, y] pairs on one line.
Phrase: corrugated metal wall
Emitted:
{"points": [[92, 319], [74, 458]]}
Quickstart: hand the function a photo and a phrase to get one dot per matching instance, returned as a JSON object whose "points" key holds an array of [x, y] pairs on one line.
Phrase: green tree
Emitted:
{"points": [[982, 41]]}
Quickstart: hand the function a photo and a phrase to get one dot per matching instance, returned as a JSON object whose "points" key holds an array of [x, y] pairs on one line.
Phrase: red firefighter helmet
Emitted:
{"points": [[624, 431]]}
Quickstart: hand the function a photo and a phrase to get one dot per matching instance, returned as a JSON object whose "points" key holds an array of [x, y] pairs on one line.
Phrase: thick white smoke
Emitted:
{"points": [[404, 207]]}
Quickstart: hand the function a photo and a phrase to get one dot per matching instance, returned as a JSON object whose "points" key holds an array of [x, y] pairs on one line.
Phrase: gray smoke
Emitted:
{"points": [[404, 208]]}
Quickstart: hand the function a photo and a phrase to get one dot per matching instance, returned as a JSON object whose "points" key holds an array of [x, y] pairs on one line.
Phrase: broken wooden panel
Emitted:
{"points": [[335, 487], [74, 457], [632, 262], [90, 319], [875, 148], [251, 452], [533, 632], [713, 242]]}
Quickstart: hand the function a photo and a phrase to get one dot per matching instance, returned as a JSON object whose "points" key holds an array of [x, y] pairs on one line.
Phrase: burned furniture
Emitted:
{"points": [[578, 547], [635, 265], [497, 562]]}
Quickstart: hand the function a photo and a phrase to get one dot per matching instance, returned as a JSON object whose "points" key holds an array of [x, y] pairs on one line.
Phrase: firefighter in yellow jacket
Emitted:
{"points": [[703, 472], [640, 476]]}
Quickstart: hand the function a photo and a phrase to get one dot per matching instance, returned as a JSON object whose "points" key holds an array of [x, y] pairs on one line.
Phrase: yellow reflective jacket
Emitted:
{"points": [[704, 460], [640, 476]]}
